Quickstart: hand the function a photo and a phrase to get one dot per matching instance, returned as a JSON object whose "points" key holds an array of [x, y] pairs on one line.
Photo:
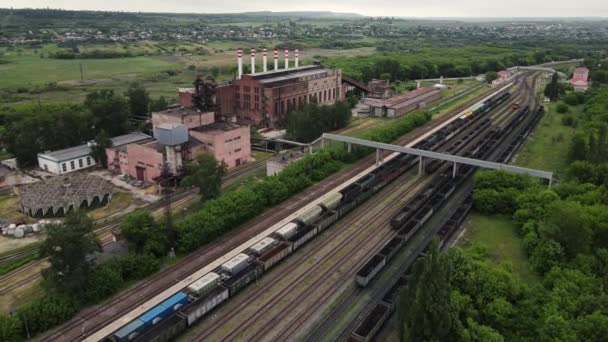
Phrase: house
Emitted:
{"points": [[580, 79], [404, 103], [79, 157]]}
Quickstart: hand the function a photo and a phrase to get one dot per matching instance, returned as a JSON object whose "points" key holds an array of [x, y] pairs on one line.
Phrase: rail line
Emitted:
{"points": [[383, 214], [323, 329], [99, 316], [303, 317]]}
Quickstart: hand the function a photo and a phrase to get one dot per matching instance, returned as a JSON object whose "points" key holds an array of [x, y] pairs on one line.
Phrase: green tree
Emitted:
{"points": [[98, 150], [144, 234], [10, 328], [159, 104], [552, 88], [139, 100], [428, 309], [491, 76], [562, 108], [110, 112], [69, 246], [205, 173], [566, 223]]}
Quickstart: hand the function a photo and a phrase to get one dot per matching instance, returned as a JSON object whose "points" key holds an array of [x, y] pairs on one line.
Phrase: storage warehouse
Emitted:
{"points": [[404, 103]]}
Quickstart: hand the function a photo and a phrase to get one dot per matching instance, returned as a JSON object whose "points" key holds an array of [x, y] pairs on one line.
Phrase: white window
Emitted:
{"points": [[72, 165], [64, 167]]}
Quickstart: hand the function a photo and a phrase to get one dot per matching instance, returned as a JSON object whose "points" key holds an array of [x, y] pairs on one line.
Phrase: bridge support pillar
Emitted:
{"points": [[550, 182], [454, 170], [420, 165], [322, 143], [349, 147], [378, 156]]}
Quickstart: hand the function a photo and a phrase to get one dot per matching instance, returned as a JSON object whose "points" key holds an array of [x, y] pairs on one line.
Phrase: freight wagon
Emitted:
{"points": [[391, 247], [391, 297], [409, 229], [204, 284], [274, 255], [248, 274], [371, 324], [166, 331], [310, 215], [326, 219], [302, 236], [202, 305], [369, 271], [151, 317]]}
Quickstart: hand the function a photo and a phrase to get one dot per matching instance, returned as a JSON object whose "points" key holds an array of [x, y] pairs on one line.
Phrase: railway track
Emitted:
{"points": [[305, 315], [296, 259], [323, 329], [355, 241], [96, 317]]}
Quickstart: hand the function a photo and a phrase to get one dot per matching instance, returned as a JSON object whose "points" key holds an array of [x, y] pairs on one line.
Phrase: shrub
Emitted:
{"points": [[46, 312], [562, 108]]}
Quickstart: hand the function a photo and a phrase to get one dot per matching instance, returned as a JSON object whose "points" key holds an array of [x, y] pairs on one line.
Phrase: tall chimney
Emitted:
{"points": [[239, 55], [264, 67], [276, 59], [286, 58], [297, 57], [252, 61]]}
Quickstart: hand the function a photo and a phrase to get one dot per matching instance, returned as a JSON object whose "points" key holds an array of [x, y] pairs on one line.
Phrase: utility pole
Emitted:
{"points": [[166, 198]]}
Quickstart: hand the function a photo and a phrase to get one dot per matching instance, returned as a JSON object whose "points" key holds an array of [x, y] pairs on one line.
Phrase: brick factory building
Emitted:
{"points": [[263, 99], [181, 134], [401, 104]]}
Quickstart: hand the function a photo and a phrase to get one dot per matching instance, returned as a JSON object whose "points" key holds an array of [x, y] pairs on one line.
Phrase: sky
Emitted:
{"points": [[397, 8]]}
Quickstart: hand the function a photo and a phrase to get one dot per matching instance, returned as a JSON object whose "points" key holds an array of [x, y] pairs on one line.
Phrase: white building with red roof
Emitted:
{"points": [[580, 79]]}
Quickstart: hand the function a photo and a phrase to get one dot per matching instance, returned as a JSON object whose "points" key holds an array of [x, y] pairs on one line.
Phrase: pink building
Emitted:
{"points": [[185, 97], [188, 117], [182, 135], [227, 141], [580, 79], [145, 161]]}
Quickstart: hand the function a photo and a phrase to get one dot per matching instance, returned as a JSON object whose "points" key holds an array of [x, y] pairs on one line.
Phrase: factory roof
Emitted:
{"points": [[181, 111], [287, 74], [218, 127], [85, 150], [63, 192]]}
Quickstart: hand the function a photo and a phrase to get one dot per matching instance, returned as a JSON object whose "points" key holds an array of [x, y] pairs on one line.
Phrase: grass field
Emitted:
{"points": [[498, 235], [120, 201], [547, 147], [165, 67], [9, 206]]}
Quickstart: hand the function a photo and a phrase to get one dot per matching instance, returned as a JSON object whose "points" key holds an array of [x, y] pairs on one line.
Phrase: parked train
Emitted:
{"points": [[168, 319], [376, 318]]}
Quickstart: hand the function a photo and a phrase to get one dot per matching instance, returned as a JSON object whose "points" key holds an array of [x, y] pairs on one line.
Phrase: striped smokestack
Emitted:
{"points": [[276, 59], [264, 67], [252, 61], [239, 56], [286, 58], [297, 57]]}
